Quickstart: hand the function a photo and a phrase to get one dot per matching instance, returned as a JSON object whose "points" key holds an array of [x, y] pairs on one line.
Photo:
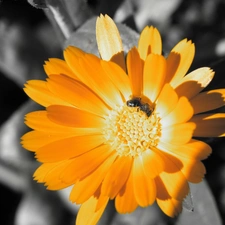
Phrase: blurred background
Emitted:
{"points": [[31, 31]]}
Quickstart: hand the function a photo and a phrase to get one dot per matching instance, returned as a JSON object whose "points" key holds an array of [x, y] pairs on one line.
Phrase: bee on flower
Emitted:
{"points": [[123, 128]]}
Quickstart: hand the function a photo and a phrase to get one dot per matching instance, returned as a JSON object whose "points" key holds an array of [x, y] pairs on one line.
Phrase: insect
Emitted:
{"points": [[144, 107]]}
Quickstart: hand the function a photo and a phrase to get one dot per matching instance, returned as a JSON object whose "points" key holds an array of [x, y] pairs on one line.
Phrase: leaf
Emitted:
{"points": [[205, 209]]}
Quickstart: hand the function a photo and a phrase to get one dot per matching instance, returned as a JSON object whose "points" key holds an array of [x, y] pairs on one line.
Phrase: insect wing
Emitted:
{"points": [[188, 203]]}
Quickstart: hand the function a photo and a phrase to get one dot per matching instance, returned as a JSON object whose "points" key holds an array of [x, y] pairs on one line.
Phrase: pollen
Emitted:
{"points": [[130, 131]]}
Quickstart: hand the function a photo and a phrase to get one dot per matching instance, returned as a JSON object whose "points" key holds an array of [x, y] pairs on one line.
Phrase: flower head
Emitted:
{"points": [[123, 129]]}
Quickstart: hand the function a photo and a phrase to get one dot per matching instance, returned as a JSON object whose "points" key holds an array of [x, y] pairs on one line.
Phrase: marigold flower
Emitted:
{"points": [[123, 130]]}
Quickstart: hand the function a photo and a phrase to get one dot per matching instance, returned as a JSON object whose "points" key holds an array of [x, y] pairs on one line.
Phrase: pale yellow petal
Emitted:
{"points": [[109, 42], [149, 42], [194, 82], [179, 62], [208, 100], [87, 214], [209, 125], [153, 76]]}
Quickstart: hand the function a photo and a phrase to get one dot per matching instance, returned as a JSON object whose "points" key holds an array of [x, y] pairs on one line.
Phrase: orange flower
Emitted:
{"points": [[123, 130]]}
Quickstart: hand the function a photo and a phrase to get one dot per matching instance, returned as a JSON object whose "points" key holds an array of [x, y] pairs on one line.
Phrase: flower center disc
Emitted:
{"points": [[130, 131]]}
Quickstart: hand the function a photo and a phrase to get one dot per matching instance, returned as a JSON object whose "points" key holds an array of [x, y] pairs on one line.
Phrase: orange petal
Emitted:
{"points": [[188, 164], [179, 61], [73, 117], [149, 42], [49, 174], [144, 187], [171, 207], [172, 181], [152, 163], [118, 77], [178, 134], [208, 100], [89, 70], [164, 103], [125, 201], [39, 121], [43, 169], [84, 164], [117, 176], [87, 214], [68, 148], [109, 41], [135, 71], [181, 114], [76, 94], [154, 76], [86, 187], [194, 150], [209, 125], [191, 167], [38, 91], [194, 171], [47, 131], [194, 82], [34, 140], [58, 66]]}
